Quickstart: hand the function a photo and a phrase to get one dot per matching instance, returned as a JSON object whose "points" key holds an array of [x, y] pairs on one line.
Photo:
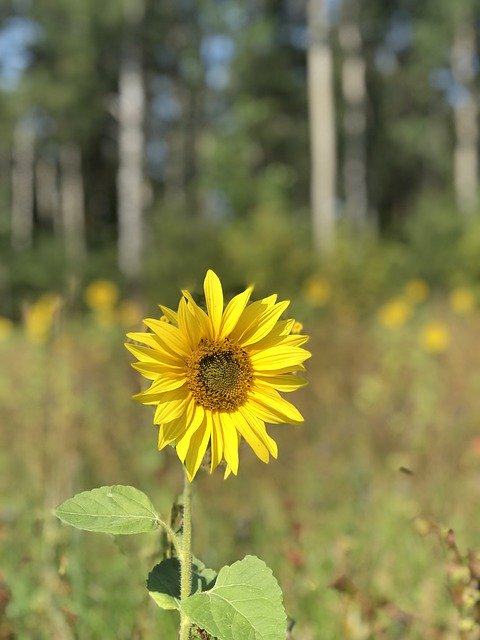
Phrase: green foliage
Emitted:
{"points": [[117, 509], [163, 582], [244, 604], [433, 236], [269, 247]]}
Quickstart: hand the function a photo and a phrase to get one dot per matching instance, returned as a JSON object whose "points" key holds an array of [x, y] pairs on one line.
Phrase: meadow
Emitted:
{"points": [[352, 518]]}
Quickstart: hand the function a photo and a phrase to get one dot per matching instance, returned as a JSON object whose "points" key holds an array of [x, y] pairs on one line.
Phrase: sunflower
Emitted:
{"points": [[216, 375]]}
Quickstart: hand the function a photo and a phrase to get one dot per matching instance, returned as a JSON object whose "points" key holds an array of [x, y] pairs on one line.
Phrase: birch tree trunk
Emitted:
{"points": [[322, 126], [22, 184], [131, 111], [72, 203], [354, 119], [465, 114]]}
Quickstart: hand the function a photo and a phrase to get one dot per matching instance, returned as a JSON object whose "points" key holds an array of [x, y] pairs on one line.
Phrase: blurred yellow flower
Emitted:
{"points": [[435, 337], [416, 290], [394, 313], [6, 328], [101, 295], [462, 301], [130, 313], [297, 327], [317, 290], [39, 317]]}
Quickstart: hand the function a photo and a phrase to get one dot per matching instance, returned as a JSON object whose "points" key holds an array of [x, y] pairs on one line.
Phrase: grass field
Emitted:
{"points": [[350, 518]]}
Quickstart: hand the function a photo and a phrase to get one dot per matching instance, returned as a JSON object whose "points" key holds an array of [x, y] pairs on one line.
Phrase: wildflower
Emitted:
{"points": [[101, 295], [435, 337], [297, 327], [39, 317], [317, 291], [6, 328], [416, 290], [462, 301], [216, 375], [394, 313]]}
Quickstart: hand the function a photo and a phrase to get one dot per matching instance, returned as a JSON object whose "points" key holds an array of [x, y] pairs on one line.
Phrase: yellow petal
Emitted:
{"points": [[271, 407], [278, 357], [258, 427], [249, 316], [197, 449], [283, 383], [216, 443], [275, 338], [167, 383], [188, 324], [295, 341], [171, 431], [214, 299], [233, 311], [241, 419], [170, 314], [195, 418], [143, 337], [264, 325], [202, 318], [170, 404], [171, 337], [152, 370], [230, 441]]}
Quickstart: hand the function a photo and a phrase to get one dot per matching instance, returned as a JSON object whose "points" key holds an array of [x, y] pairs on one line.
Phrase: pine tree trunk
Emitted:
{"points": [[322, 126], [23, 185], [465, 114], [72, 203], [354, 119], [131, 148]]}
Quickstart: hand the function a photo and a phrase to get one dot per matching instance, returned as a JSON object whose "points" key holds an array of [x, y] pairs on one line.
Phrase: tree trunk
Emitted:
{"points": [[47, 193], [322, 126], [354, 119], [131, 110], [23, 185], [72, 203], [465, 118]]}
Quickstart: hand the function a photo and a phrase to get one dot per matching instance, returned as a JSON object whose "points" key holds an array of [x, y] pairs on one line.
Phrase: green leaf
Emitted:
{"points": [[244, 604], [163, 582], [118, 510]]}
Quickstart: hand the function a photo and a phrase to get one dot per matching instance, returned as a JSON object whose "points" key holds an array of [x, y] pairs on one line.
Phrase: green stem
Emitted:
{"points": [[186, 556]]}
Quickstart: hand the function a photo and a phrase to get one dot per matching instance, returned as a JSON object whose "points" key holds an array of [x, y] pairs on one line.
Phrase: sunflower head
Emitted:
{"points": [[216, 374]]}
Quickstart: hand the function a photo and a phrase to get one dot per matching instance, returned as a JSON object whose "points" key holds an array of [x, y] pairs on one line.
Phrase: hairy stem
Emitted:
{"points": [[186, 557]]}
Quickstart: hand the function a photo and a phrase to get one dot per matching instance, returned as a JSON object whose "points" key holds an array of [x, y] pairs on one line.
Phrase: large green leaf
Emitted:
{"points": [[117, 509], [244, 604], [163, 582]]}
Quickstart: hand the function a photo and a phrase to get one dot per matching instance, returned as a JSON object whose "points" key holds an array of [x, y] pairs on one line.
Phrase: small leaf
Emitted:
{"points": [[203, 578], [118, 509], [244, 604], [163, 582]]}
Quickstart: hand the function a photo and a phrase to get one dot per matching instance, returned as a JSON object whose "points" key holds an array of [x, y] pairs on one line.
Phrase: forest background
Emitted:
{"points": [[324, 150]]}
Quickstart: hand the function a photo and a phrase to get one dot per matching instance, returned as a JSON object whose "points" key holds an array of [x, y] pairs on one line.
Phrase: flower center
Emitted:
{"points": [[219, 375]]}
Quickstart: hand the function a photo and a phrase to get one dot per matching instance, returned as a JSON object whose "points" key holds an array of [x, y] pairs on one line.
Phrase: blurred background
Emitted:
{"points": [[325, 150]]}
